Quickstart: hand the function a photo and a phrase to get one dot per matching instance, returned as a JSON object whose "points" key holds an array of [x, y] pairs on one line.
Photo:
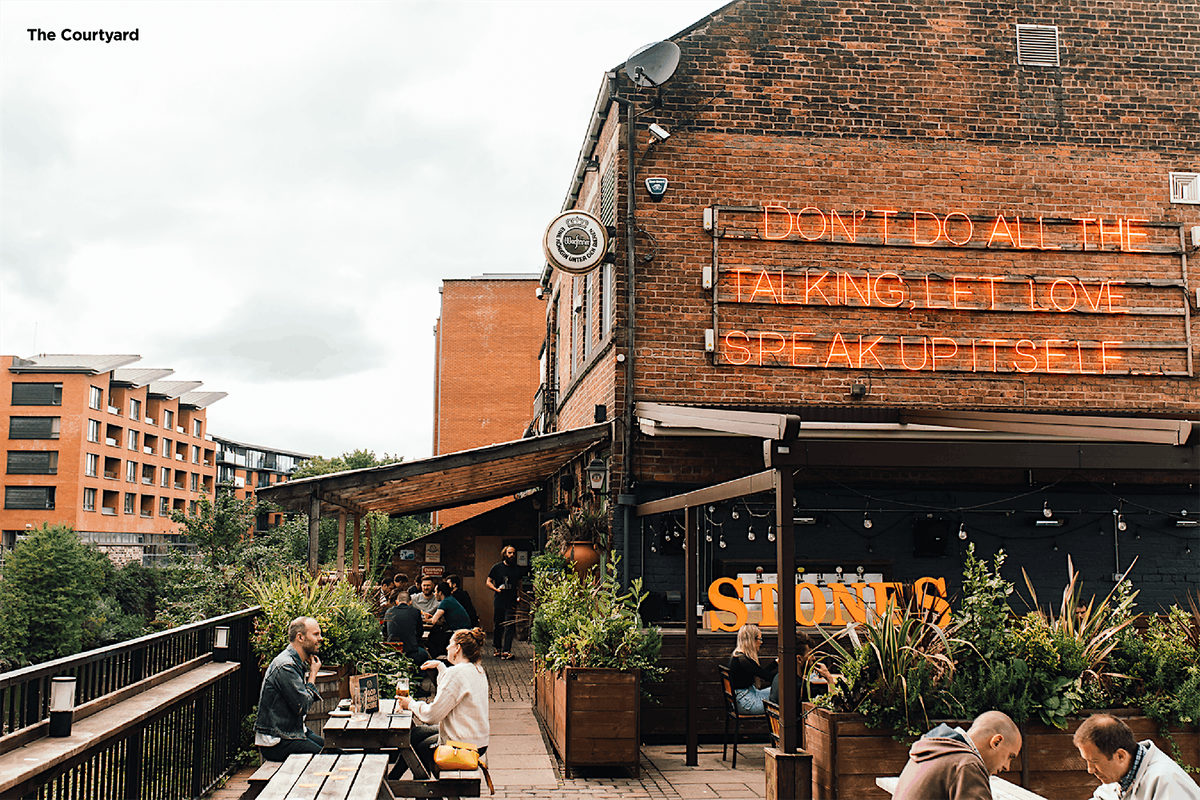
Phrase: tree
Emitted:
{"points": [[357, 459], [49, 589], [218, 526]]}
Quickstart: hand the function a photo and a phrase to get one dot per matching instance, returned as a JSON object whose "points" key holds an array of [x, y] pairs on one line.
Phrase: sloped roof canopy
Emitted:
{"points": [[63, 363], [445, 481]]}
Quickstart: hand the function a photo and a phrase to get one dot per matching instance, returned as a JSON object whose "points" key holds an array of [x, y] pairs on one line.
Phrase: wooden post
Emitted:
{"points": [[367, 569], [341, 557], [314, 530], [691, 525], [789, 775], [785, 570], [354, 558]]}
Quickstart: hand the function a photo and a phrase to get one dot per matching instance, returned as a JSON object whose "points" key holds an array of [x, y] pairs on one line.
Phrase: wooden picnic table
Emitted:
{"points": [[349, 776], [1001, 789], [390, 731]]}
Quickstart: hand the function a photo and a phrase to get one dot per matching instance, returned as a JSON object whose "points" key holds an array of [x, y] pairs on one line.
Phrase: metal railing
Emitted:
{"points": [[182, 751]]}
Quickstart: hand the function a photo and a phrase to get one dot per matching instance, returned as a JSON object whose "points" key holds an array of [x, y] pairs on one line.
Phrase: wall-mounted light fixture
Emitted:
{"points": [[1050, 523], [597, 471], [593, 165], [62, 705], [220, 644], [659, 133], [804, 520]]}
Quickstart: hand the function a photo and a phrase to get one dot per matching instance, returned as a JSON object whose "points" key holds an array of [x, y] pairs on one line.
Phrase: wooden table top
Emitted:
{"points": [[383, 730], [352, 776], [1001, 789]]}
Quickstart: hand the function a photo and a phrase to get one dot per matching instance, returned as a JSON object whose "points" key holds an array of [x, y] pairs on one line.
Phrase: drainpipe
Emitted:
{"points": [[630, 339]]}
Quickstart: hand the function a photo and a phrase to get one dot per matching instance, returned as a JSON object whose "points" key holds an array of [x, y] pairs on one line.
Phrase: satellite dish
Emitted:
{"points": [[654, 64]]}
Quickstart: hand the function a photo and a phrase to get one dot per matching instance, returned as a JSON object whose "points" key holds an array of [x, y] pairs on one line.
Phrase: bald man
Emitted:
{"points": [[953, 764]]}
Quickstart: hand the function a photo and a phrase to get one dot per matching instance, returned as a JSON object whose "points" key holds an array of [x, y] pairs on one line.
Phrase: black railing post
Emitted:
{"points": [[200, 738], [134, 752]]}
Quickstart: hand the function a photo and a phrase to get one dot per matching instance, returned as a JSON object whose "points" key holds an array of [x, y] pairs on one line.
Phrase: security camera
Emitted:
{"points": [[659, 132]]}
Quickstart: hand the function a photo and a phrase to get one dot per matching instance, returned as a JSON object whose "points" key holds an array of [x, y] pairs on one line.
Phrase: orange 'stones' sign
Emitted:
{"points": [[847, 604]]}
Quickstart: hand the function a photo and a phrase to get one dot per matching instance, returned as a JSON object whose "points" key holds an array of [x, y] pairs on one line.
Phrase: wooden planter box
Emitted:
{"points": [[848, 756], [592, 716]]}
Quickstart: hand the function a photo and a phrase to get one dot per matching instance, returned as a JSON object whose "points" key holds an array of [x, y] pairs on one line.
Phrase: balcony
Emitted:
{"points": [[111, 442], [148, 451], [114, 411], [151, 733], [108, 512], [112, 476]]}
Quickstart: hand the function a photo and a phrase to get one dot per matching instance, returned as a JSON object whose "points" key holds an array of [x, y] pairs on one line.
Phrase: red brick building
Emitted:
{"points": [[958, 241], [105, 447], [486, 367]]}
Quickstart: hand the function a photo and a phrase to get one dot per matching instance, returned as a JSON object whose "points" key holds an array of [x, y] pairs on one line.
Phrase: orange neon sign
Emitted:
{"points": [[953, 229], [796, 348], [862, 288]]}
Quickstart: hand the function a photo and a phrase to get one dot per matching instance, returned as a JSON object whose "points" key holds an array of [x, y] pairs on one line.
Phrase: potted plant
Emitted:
{"points": [[1041, 668], [591, 654], [582, 537]]}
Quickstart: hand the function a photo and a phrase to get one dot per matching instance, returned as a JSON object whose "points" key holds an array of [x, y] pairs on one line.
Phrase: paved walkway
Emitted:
{"points": [[523, 764]]}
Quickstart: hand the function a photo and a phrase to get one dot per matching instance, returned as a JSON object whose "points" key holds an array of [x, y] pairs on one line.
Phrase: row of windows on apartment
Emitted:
{"points": [[43, 498], [257, 459], [45, 462], [50, 394], [51, 427], [229, 476]]}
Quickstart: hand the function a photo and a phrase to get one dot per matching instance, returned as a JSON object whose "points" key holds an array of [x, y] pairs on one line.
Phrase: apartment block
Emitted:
{"points": [[109, 448], [243, 468]]}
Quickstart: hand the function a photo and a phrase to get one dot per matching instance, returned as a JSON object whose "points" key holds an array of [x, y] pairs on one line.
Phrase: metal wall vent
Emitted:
{"points": [[1185, 187], [1037, 45]]}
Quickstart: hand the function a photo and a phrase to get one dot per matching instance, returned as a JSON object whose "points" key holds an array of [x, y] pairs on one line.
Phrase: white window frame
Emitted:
{"points": [[89, 499], [91, 465], [93, 431], [95, 397]]}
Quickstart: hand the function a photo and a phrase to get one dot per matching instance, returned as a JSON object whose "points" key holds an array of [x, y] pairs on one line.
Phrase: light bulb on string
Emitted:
{"points": [[721, 542], [867, 522], [770, 533], [962, 531], [734, 514], [750, 533], [1046, 512], [708, 536]]}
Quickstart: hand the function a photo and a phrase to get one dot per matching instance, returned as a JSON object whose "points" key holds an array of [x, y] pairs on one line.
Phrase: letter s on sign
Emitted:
{"points": [[724, 602], [931, 594]]}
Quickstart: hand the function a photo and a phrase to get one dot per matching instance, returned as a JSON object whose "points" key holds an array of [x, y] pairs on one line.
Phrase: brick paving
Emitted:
{"points": [[524, 767]]}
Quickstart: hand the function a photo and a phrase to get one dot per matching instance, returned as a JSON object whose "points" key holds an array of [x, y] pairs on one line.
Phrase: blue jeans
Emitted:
{"points": [[750, 700], [286, 747]]}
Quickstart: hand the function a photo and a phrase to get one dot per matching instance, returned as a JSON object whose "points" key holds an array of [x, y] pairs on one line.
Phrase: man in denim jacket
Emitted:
{"points": [[287, 693]]}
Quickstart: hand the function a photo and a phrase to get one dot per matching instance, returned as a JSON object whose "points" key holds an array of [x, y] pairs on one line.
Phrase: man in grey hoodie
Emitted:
{"points": [[953, 764]]}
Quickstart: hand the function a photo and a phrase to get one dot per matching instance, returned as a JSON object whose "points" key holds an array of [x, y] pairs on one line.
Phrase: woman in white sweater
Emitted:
{"points": [[459, 710]]}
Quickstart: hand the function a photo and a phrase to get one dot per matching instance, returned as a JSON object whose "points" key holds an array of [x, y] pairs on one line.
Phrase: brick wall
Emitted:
{"points": [[488, 338], [919, 118]]}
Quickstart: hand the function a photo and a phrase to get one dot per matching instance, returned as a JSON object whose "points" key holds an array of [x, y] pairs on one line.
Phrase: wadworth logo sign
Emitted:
{"points": [[926, 291], [575, 242], [829, 604]]}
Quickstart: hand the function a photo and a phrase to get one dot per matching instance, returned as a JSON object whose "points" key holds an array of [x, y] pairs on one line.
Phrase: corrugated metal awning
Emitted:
{"points": [[445, 481]]}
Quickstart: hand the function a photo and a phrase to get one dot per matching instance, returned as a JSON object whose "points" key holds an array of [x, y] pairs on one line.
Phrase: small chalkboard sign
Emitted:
{"points": [[364, 693]]}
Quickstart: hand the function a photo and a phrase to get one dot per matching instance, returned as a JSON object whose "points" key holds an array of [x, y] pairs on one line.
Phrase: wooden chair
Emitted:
{"points": [[776, 722], [732, 713]]}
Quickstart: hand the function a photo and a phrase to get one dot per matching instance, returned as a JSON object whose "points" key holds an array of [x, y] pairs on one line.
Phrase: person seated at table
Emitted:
{"points": [[812, 679], [953, 764], [386, 584], [744, 667], [464, 599], [425, 600], [404, 625], [459, 710], [450, 616], [288, 690]]}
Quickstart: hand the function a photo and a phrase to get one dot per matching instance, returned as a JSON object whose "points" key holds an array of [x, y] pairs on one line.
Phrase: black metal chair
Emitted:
{"points": [[732, 712]]}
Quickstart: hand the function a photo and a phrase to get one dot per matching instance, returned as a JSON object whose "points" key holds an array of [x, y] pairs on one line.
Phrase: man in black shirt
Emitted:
{"points": [[505, 581], [404, 626]]}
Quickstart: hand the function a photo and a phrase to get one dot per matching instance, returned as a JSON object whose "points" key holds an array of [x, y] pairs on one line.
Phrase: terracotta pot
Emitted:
{"points": [[583, 555]]}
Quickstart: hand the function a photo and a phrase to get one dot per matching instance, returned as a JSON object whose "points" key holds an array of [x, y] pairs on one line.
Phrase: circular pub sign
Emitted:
{"points": [[575, 242]]}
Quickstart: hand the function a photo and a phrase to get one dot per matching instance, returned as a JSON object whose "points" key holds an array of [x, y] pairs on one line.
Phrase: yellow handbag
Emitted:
{"points": [[459, 756]]}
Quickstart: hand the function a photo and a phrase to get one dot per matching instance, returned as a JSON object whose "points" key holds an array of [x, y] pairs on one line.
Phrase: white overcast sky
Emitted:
{"points": [[266, 196]]}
